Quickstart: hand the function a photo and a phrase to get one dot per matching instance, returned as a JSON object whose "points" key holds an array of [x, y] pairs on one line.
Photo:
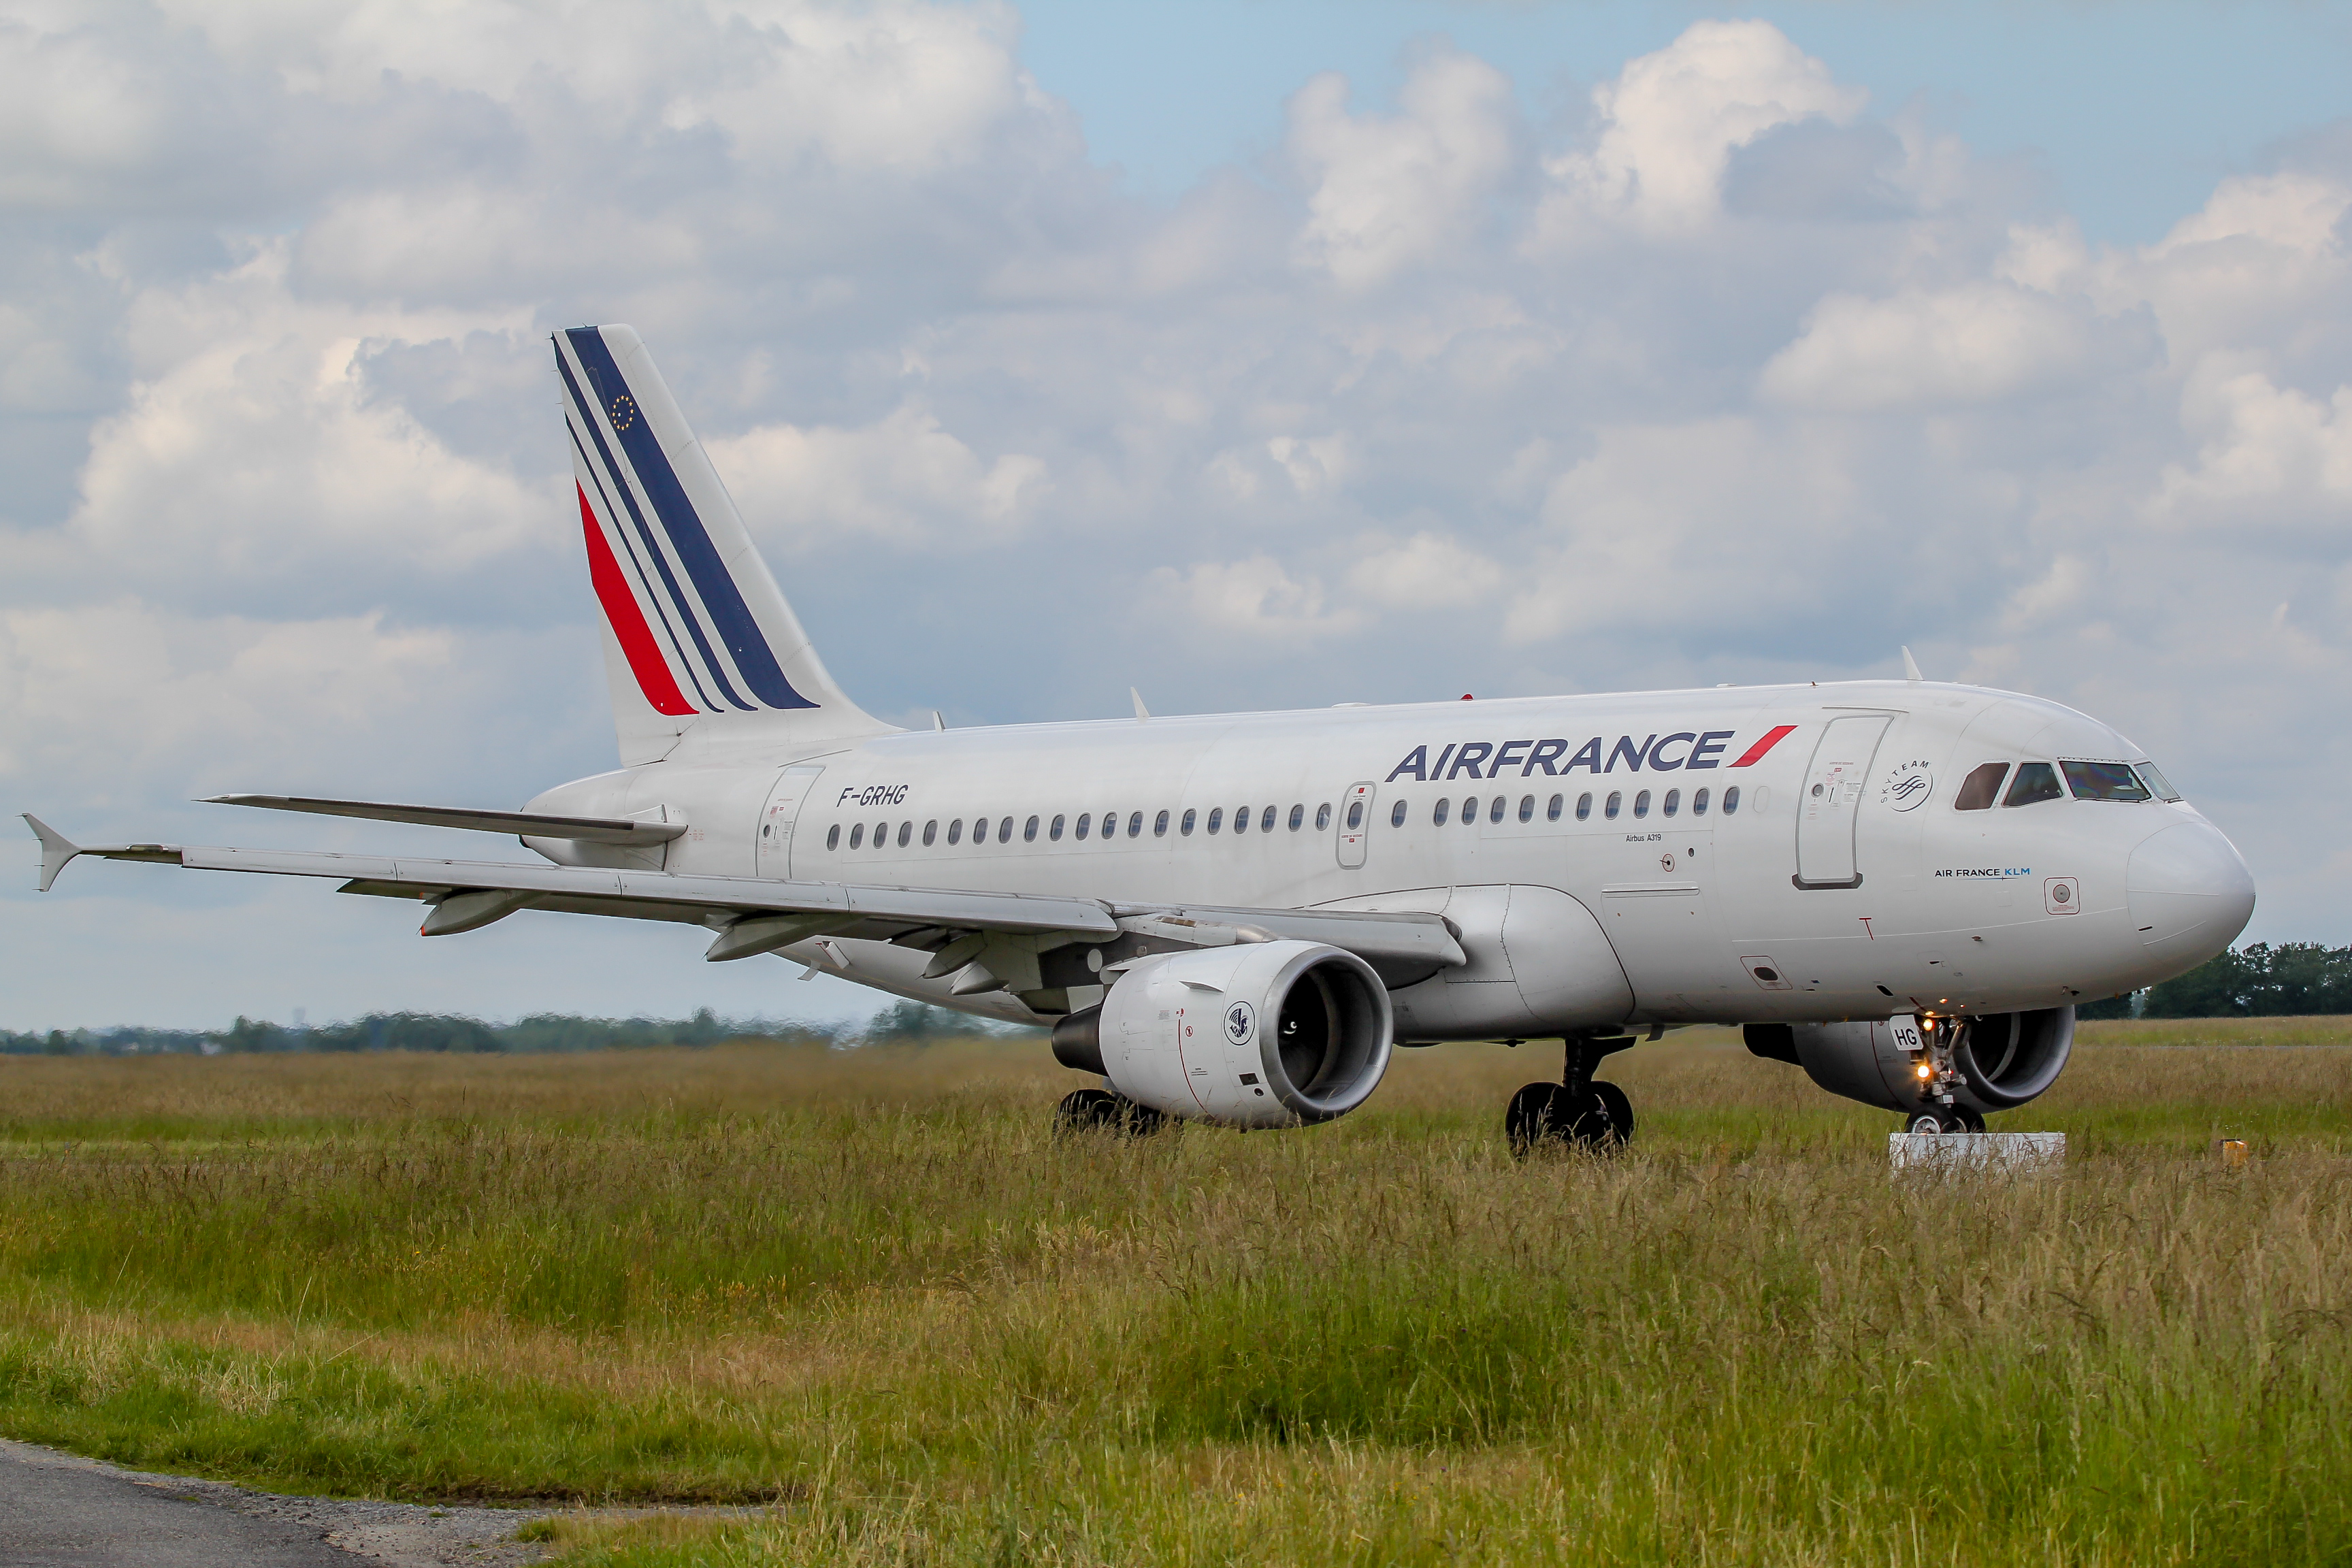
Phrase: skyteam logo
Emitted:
{"points": [[682, 622]]}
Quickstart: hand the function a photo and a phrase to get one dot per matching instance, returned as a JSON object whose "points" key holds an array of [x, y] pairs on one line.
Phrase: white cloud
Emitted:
{"points": [[1256, 599], [1392, 191], [1429, 570], [1672, 120], [1980, 343], [255, 451], [901, 480], [2275, 459]]}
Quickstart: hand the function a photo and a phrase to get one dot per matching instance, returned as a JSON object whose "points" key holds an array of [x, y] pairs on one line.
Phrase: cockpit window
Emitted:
{"points": [[2034, 782], [1981, 788], [2157, 781], [2104, 781]]}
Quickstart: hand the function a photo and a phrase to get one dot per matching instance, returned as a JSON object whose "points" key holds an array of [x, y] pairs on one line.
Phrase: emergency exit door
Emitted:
{"points": [[1831, 799]]}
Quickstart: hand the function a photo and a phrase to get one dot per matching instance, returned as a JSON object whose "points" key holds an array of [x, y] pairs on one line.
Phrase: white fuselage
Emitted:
{"points": [[1843, 884]]}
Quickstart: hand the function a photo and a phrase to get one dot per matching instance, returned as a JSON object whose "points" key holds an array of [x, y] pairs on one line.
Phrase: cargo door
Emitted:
{"points": [[776, 819], [1827, 806]]}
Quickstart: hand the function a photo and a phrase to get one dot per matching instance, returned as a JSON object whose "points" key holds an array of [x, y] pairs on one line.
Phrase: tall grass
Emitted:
{"points": [[874, 1291]]}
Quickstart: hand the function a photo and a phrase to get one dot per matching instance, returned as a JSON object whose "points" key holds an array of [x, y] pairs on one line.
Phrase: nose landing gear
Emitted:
{"points": [[1960, 1119], [1576, 1112]]}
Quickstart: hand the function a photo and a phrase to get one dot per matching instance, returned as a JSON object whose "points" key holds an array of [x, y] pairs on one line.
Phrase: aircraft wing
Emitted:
{"points": [[989, 940], [523, 823]]}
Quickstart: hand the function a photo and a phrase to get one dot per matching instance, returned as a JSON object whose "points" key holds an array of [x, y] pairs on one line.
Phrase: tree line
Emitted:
{"points": [[2258, 981], [901, 1023], [2295, 979]]}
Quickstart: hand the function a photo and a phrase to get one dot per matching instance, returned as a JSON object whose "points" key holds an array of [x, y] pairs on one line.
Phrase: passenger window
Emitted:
{"points": [[1469, 811], [1584, 806], [1731, 800], [1441, 811], [1004, 830], [1322, 816], [833, 836], [1055, 832], [2035, 781], [2103, 781], [1494, 812], [931, 833], [1135, 823], [1673, 803], [906, 832], [955, 832], [1160, 825], [1355, 814], [2157, 782], [1698, 803], [1029, 831], [1396, 815], [1298, 819], [1191, 817], [1551, 812], [1086, 820], [1641, 804], [1616, 798], [857, 836], [1216, 817], [1981, 787], [1526, 808]]}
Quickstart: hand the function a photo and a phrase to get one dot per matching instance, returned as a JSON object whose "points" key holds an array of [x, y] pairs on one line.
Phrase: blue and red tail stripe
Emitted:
{"points": [[715, 611]]}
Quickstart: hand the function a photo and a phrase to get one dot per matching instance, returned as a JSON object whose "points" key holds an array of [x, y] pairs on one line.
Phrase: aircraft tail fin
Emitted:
{"points": [[699, 639]]}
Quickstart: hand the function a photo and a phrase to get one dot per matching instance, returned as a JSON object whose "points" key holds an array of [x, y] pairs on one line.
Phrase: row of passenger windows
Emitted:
{"points": [[1269, 817], [2037, 782], [1500, 805], [1085, 826]]}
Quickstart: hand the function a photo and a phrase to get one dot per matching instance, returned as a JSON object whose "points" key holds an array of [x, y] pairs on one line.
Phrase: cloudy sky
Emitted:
{"points": [[1254, 353]]}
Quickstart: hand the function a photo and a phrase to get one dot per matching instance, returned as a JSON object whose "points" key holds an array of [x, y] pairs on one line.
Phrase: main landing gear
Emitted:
{"points": [[1579, 1111], [1085, 1107], [1960, 1119]]}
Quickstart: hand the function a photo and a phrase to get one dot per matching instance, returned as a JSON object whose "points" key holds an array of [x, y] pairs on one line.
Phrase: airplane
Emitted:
{"points": [[1903, 888]]}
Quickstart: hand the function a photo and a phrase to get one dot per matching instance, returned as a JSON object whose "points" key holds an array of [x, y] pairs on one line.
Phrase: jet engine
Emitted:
{"points": [[1267, 1034], [1997, 1062]]}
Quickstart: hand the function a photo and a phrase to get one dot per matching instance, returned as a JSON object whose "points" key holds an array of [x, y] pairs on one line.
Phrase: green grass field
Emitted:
{"points": [[872, 1294]]}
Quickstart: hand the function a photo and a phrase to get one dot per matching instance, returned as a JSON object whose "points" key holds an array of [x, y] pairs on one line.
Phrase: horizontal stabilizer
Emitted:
{"points": [[522, 824]]}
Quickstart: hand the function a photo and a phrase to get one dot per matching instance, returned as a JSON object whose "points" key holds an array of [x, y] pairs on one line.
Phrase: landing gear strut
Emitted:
{"points": [[1579, 1111], [1085, 1107]]}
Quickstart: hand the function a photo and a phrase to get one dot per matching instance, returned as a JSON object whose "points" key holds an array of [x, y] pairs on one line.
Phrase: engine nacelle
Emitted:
{"points": [[1267, 1033], [2007, 1058]]}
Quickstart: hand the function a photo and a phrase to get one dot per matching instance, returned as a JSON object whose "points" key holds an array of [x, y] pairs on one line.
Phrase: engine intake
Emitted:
{"points": [[2008, 1058], [1258, 1034]]}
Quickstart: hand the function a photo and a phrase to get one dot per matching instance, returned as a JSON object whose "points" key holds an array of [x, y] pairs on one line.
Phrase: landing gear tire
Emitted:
{"points": [[1944, 1122], [1552, 1115], [1083, 1109], [1620, 1110]]}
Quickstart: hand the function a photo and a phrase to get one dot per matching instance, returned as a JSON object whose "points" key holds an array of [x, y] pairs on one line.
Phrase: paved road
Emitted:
{"points": [[60, 1511]]}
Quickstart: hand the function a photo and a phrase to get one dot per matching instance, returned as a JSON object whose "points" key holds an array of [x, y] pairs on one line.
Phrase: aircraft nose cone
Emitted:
{"points": [[2190, 894]]}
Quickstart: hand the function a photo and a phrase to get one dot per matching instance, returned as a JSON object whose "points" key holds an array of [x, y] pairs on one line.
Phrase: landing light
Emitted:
{"points": [[1926, 1071]]}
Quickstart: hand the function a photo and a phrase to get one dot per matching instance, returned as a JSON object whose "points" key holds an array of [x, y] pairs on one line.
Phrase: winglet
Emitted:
{"points": [[1911, 668], [1140, 711], [56, 849]]}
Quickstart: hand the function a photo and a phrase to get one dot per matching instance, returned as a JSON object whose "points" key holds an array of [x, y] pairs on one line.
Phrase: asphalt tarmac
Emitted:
{"points": [[57, 1511]]}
